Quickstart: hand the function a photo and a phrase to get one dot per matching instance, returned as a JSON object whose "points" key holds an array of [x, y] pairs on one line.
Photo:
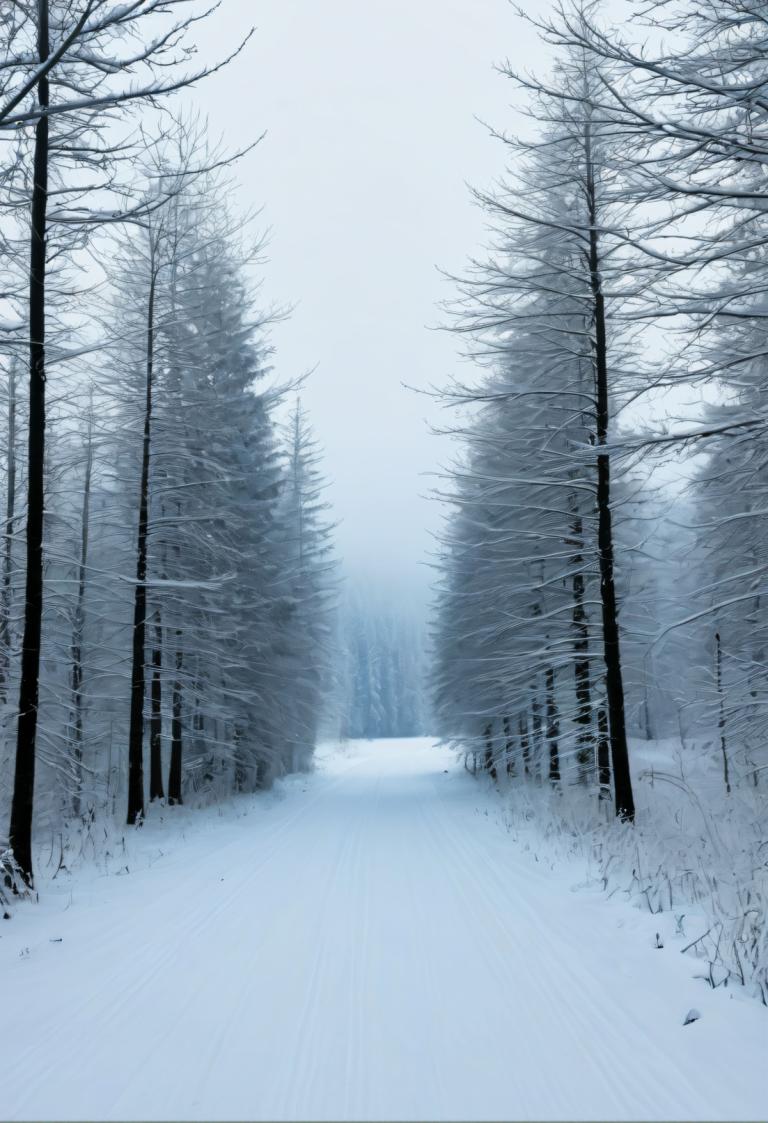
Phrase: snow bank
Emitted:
{"points": [[697, 859]]}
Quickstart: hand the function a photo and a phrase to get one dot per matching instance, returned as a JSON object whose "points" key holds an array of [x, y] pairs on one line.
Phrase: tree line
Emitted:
{"points": [[380, 688], [585, 593], [167, 575]]}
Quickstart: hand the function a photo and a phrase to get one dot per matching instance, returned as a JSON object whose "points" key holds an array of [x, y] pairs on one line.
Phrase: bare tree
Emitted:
{"points": [[76, 719], [77, 83], [535, 496]]}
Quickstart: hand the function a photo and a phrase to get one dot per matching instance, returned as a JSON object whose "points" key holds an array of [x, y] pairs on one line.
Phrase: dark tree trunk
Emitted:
{"points": [[240, 770], [156, 700], [78, 630], [138, 670], [10, 515], [553, 728], [525, 744], [262, 773], [198, 727], [756, 677], [648, 727], [490, 765], [156, 715], [20, 834], [509, 746], [622, 780], [537, 709], [537, 734], [585, 741], [603, 755], [174, 775], [721, 710]]}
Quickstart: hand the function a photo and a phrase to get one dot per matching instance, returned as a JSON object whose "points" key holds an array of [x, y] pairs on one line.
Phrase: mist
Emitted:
{"points": [[373, 116]]}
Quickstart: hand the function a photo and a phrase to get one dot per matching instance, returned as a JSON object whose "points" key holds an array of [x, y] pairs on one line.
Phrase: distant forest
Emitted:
{"points": [[381, 679]]}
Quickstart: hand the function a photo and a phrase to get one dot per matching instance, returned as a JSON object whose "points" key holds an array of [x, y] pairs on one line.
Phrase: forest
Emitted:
{"points": [[602, 569], [345, 802], [165, 623]]}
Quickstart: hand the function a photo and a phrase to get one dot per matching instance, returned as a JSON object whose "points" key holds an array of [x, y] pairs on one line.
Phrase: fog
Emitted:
{"points": [[371, 111]]}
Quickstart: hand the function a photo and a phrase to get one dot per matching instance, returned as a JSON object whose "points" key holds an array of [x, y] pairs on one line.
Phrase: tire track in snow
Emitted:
{"points": [[566, 993], [311, 1060], [378, 952], [433, 984], [356, 1082], [130, 981], [549, 980]]}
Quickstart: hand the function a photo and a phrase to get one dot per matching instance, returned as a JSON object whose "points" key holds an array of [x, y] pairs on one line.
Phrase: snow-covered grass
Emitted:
{"points": [[108, 848], [696, 857]]}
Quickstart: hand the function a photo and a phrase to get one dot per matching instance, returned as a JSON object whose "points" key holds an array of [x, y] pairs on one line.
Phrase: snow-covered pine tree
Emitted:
{"points": [[233, 620], [381, 683], [306, 640], [66, 74], [694, 100], [539, 471]]}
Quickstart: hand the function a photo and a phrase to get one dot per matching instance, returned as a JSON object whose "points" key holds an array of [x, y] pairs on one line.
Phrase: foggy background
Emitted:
{"points": [[372, 136]]}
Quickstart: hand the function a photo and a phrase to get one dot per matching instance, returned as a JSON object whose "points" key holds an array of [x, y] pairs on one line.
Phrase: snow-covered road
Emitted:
{"points": [[367, 943]]}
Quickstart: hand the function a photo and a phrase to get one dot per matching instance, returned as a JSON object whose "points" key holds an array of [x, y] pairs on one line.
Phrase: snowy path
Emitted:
{"points": [[369, 946]]}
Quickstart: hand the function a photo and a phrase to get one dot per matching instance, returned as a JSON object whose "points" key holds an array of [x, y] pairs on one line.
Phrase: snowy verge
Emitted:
{"points": [[83, 852], [696, 859]]}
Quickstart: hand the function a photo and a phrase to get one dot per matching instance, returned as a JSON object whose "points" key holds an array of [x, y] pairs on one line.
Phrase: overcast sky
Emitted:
{"points": [[370, 108]]}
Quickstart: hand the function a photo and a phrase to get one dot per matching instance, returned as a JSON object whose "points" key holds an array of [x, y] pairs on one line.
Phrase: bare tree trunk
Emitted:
{"points": [[78, 629], [721, 708], [553, 728], [509, 746], [758, 660], [603, 755], [138, 681], [585, 741], [622, 780], [537, 721], [174, 775], [647, 713], [490, 766], [537, 733], [525, 744], [239, 762], [10, 514], [156, 715], [20, 834], [198, 729]]}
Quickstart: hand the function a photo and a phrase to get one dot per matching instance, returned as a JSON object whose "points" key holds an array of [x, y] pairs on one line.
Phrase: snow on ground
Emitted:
{"points": [[696, 857], [365, 943]]}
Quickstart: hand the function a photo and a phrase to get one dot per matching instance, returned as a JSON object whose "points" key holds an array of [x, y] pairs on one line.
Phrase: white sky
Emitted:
{"points": [[369, 107]]}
